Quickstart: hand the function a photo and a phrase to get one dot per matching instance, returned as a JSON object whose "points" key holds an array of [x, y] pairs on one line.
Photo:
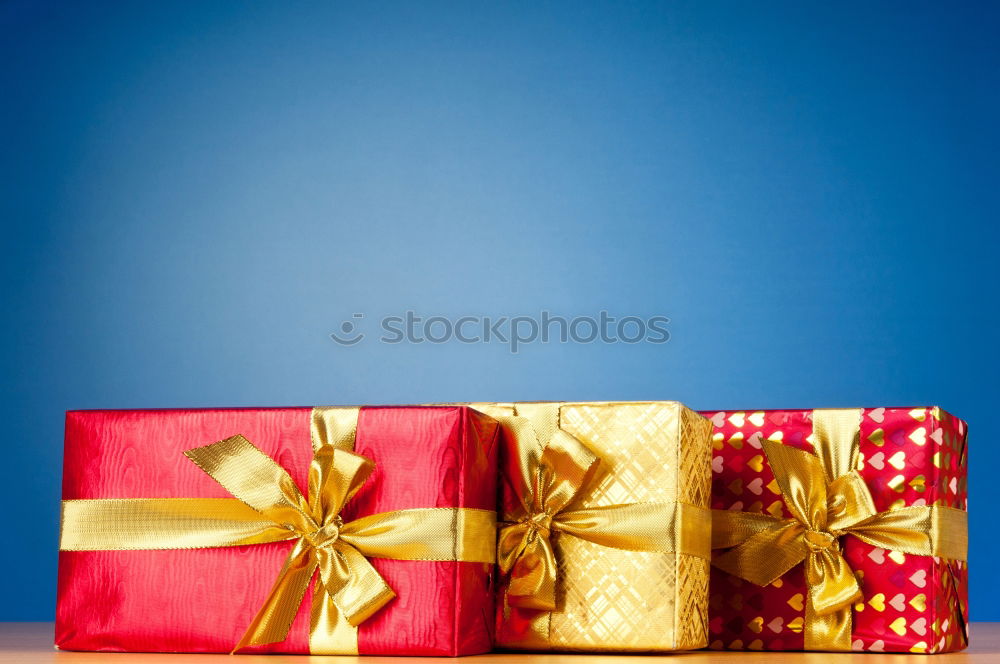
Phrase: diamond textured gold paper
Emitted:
{"points": [[614, 599]]}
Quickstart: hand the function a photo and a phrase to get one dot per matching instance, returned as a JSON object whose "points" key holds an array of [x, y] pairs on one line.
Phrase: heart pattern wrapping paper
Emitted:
{"points": [[911, 603]]}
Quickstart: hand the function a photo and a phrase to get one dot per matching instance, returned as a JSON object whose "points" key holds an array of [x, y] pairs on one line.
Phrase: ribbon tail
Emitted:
{"points": [[329, 631], [533, 576], [352, 583], [731, 528], [833, 589], [766, 556], [831, 631], [275, 617]]}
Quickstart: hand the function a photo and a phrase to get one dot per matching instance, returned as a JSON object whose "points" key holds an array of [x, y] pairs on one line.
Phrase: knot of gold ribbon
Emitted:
{"points": [[828, 499], [268, 507], [547, 480]]}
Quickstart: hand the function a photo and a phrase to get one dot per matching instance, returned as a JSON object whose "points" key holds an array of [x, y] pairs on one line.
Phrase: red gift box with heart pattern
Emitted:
{"points": [[910, 603]]}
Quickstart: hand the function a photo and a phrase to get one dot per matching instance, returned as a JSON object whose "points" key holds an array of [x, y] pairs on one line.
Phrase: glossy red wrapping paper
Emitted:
{"points": [[201, 600], [909, 456]]}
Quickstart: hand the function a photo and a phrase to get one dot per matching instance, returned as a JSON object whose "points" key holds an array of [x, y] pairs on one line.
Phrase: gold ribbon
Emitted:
{"points": [[268, 507], [547, 479], [828, 499]]}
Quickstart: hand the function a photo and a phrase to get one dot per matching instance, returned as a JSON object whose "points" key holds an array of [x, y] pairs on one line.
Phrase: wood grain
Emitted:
{"points": [[31, 643]]}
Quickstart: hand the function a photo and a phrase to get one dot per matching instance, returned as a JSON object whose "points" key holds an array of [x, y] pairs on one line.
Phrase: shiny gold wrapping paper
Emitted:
{"points": [[607, 598]]}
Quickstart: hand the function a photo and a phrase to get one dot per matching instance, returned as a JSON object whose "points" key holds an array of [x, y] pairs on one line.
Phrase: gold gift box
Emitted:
{"points": [[630, 549]]}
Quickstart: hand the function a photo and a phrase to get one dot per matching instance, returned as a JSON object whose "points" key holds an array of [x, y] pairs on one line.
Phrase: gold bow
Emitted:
{"points": [[828, 499], [269, 508], [547, 479]]}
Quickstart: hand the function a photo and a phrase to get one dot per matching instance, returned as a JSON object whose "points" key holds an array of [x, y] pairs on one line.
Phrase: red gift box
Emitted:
{"points": [[907, 457], [202, 599]]}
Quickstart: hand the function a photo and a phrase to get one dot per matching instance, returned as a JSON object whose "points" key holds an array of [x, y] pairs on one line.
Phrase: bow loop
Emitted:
{"points": [[802, 482], [566, 466], [551, 481], [335, 475], [254, 478], [831, 581], [549, 473], [511, 543], [849, 502]]}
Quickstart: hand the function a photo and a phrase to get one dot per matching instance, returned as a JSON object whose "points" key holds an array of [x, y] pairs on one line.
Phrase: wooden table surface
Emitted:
{"points": [[27, 643]]}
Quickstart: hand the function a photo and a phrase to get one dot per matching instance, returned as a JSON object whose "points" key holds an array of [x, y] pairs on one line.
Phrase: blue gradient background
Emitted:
{"points": [[195, 195]]}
